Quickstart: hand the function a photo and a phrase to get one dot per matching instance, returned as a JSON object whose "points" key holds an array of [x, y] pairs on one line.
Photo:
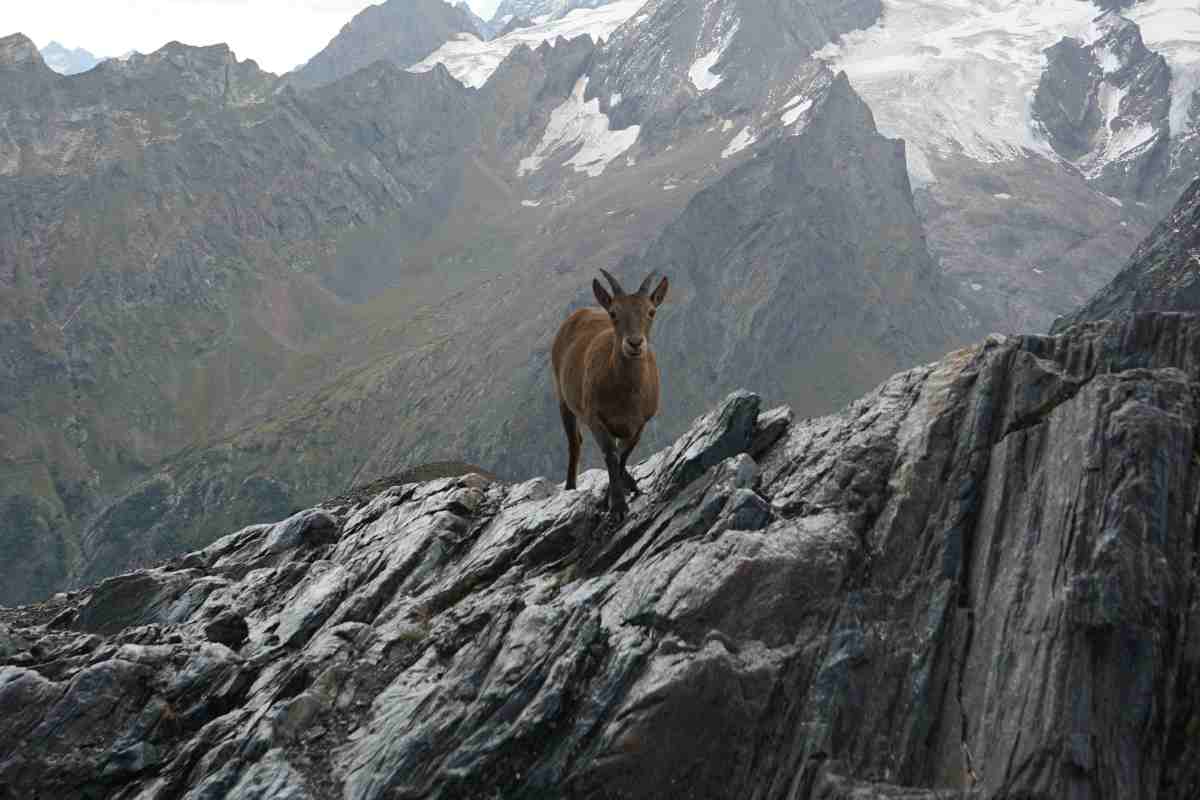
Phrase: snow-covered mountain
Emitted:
{"points": [[538, 10], [473, 60], [68, 61], [960, 77], [1043, 136]]}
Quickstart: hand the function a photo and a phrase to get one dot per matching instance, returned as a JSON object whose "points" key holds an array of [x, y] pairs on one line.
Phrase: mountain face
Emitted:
{"points": [[224, 295], [67, 61], [975, 580], [165, 220], [401, 32], [1161, 274], [775, 253], [1105, 106], [782, 239]]}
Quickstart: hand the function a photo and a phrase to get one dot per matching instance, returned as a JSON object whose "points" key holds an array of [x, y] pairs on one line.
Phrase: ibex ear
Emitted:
{"points": [[660, 293], [602, 295]]}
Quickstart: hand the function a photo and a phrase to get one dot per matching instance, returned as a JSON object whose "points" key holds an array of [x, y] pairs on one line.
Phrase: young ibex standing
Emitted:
{"points": [[605, 375]]}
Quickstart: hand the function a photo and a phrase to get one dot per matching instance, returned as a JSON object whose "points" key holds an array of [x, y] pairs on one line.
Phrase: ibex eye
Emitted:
{"points": [[652, 313], [612, 315]]}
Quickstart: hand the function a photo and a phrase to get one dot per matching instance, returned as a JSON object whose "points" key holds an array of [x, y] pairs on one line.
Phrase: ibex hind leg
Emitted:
{"points": [[574, 442]]}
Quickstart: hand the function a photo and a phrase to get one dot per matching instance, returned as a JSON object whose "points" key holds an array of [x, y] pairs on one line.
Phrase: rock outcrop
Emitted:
{"points": [[978, 578]]}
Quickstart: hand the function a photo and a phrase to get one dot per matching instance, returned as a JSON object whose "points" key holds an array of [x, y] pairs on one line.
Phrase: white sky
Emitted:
{"points": [[278, 34]]}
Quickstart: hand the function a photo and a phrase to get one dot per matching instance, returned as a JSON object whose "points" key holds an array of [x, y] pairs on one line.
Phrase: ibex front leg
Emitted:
{"points": [[617, 507], [628, 445]]}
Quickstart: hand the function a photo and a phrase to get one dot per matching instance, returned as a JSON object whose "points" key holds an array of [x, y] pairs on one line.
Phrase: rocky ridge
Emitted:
{"points": [[978, 578], [1163, 273]]}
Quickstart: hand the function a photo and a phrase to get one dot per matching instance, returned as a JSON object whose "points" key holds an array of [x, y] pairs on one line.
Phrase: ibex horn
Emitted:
{"points": [[613, 282]]}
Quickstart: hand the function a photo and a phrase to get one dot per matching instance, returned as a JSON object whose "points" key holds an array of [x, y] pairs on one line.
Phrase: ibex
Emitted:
{"points": [[605, 375]]}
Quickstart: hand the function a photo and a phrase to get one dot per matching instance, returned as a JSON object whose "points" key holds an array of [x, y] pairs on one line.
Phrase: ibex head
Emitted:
{"points": [[632, 315]]}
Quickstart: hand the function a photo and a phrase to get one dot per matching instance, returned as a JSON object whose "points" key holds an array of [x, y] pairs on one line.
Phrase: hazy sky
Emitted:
{"points": [[278, 34]]}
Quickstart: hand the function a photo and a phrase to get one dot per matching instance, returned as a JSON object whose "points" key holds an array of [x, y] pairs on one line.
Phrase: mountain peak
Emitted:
{"points": [[18, 50], [400, 31]]}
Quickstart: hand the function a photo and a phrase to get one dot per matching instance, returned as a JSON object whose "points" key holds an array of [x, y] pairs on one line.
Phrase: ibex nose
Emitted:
{"points": [[636, 342]]}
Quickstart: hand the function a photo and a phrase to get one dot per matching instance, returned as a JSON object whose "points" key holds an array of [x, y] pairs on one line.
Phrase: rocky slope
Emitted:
{"points": [[1163, 273], [164, 248], [401, 32], [979, 579]]}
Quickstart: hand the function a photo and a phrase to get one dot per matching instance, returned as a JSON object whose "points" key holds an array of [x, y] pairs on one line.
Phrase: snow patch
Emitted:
{"points": [[472, 61], [1002, 196], [1118, 141], [580, 124], [700, 73], [744, 139], [790, 116], [726, 125], [1109, 61], [531, 203]]}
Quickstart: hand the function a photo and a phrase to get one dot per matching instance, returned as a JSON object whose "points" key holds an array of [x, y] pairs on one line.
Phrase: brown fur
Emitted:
{"points": [[605, 381]]}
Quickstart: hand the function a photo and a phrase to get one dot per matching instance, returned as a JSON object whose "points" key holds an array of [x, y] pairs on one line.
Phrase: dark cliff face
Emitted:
{"points": [[401, 32], [978, 578], [1163, 274]]}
